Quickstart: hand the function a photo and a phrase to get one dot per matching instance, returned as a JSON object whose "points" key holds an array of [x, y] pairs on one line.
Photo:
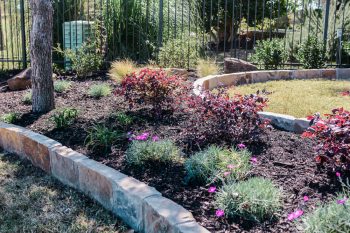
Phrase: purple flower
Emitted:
{"points": [[306, 198], [227, 173], [142, 137], [342, 201], [254, 160], [338, 174], [155, 138], [241, 146], [212, 189], [219, 213], [230, 166], [295, 215]]}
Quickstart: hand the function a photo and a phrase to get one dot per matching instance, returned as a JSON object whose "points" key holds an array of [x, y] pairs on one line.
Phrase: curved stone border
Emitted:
{"points": [[285, 122], [140, 206]]}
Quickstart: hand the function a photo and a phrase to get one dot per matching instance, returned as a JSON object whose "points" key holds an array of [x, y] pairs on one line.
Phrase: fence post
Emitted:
{"points": [[326, 21], [160, 29], [23, 30]]}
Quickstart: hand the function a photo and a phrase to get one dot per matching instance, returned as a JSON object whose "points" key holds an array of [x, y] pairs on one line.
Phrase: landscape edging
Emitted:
{"points": [[285, 122], [131, 200]]}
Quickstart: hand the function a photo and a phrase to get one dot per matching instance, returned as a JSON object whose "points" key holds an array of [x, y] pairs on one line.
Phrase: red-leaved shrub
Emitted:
{"points": [[333, 137], [216, 118], [154, 88]]}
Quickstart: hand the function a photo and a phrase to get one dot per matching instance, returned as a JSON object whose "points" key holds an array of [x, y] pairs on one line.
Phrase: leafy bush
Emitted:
{"points": [[27, 98], [270, 53], [124, 119], [207, 67], [155, 88], [64, 117], [256, 199], [99, 90], [119, 70], [143, 151], [312, 54], [332, 136], [85, 60], [62, 86], [217, 118], [9, 118], [330, 218], [208, 164], [182, 52], [103, 137]]}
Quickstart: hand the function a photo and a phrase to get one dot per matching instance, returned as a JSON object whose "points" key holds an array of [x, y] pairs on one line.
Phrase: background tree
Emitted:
{"points": [[41, 56]]}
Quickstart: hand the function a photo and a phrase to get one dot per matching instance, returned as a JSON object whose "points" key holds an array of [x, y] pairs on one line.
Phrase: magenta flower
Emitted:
{"points": [[306, 198], [342, 201], [142, 137], [241, 146], [230, 166], [155, 138], [338, 174], [227, 173], [212, 189], [295, 215], [219, 213], [254, 160]]}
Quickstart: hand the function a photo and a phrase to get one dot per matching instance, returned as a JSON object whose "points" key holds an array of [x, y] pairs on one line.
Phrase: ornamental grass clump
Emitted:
{"points": [[100, 90], [62, 86], [143, 150], [10, 118], [120, 69], [64, 117], [27, 98], [256, 199], [217, 163], [207, 67]]}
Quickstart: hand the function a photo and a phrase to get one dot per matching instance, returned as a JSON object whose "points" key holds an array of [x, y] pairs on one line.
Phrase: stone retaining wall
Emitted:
{"points": [[285, 122], [140, 206]]}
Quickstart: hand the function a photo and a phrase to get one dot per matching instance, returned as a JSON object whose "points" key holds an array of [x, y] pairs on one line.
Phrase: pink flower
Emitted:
{"points": [[306, 198], [219, 213], [212, 189], [227, 173], [142, 137], [342, 201], [230, 166], [338, 174], [254, 160], [241, 146], [155, 138], [295, 215]]}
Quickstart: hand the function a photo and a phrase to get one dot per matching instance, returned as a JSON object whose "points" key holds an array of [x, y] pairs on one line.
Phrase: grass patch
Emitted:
{"points": [[9, 118], [62, 86], [99, 90], [119, 69], [300, 98], [207, 67], [32, 201]]}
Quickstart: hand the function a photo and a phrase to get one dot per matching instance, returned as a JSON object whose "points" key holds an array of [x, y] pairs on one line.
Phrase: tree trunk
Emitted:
{"points": [[41, 56]]}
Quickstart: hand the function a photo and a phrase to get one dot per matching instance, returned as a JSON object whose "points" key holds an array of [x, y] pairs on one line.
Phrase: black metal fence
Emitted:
{"points": [[138, 29]]}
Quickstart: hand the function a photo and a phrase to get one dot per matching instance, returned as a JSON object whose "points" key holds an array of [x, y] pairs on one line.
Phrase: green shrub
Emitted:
{"points": [[182, 52], [62, 86], [270, 54], [141, 152], [207, 67], [9, 118], [311, 54], [99, 90], [124, 119], [256, 199], [64, 117], [102, 137], [119, 69], [207, 164], [27, 98]]}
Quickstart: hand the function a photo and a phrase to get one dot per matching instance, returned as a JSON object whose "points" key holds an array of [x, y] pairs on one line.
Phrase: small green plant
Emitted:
{"points": [[182, 52], [85, 60], [255, 199], [9, 118], [270, 54], [124, 119], [207, 67], [27, 98], [311, 53], [143, 151], [208, 164], [103, 137], [62, 86], [119, 69], [99, 90], [64, 117]]}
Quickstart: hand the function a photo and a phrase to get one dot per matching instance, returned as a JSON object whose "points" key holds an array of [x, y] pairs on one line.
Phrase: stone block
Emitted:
{"points": [[330, 74], [128, 199], [162, 215], [64, 165], [260, 76], [300, 125], [280, 121], [191, 227], [343, 73], [307, 74]]}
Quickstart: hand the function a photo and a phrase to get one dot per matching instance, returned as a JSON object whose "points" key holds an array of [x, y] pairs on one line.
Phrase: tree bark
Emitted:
{"points": [[41, 56]]}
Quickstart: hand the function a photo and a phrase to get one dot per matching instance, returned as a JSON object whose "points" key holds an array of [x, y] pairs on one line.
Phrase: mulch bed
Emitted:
{"points": [[283, 157]]}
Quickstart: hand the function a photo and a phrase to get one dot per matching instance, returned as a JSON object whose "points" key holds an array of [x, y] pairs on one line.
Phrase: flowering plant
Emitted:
{"points": [[333, 137]]}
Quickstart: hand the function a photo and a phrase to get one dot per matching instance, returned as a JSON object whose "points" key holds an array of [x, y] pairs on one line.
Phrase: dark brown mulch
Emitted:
{"points": [[283, 157]]}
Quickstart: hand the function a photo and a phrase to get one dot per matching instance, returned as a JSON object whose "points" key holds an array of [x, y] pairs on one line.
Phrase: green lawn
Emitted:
{"points": [[301, 98], [31, 201]]}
